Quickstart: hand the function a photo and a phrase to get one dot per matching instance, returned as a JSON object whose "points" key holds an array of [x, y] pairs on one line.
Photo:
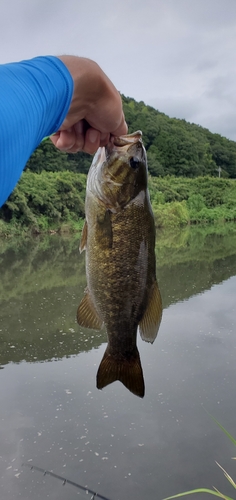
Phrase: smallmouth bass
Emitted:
{"points": [[119, 237]]}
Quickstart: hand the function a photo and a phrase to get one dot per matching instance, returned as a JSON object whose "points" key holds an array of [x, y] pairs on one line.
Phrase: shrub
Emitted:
{"points": [[171, 214]]}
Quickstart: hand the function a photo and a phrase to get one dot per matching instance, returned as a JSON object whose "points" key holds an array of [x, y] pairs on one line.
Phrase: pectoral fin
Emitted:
{"points": [[83, 240], [87, 315], [149, 325], [128, 371]]}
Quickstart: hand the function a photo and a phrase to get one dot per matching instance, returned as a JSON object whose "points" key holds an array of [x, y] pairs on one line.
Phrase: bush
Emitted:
{"points": [[47, 199], [195, 203], [171, 214]]}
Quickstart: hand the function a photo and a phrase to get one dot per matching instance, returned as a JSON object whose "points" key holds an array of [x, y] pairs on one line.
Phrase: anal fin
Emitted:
{"points": [[128, 371], [150, 322], [87, 315]]}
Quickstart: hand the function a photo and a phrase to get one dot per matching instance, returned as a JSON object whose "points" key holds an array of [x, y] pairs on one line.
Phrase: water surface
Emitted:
{"points": [[52, 415]]}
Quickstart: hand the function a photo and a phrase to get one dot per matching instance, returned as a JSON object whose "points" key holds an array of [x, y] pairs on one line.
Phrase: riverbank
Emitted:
{"points": [[16, 229], [54, 202], [178, 201]]}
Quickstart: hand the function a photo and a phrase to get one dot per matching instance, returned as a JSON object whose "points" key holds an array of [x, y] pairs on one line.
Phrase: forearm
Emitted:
{"points": [[35, 96]]}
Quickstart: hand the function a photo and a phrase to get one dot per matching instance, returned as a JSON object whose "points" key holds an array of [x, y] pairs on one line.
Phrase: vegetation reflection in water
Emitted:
{"points": [[43, 279]]}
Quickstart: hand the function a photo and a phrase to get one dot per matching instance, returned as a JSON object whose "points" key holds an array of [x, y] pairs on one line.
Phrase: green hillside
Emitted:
{"points": [[184, 162], [174, 147]]}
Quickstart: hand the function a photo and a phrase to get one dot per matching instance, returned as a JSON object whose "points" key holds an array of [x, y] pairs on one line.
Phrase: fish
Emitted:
{"points": [[122, 292]]}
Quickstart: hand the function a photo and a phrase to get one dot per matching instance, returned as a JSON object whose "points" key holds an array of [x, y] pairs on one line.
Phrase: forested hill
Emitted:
{"points": [[54, 200], [174, 147]]}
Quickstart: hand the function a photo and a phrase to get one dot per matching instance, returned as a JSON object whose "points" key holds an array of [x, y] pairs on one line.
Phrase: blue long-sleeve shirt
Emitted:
{"points": [[35, 97]]}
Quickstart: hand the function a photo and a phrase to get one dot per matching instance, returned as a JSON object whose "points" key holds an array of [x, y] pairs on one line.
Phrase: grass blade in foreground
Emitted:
{"points": [[223, 429], [227, 476], [200, 490], [216, 493]]}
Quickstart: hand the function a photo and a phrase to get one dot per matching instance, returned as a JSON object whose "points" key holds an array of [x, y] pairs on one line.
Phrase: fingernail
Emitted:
{"points": [[93, 135]]}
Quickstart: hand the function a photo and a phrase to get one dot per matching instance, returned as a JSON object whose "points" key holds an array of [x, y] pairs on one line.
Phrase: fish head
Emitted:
{"points": [[119, 171]]}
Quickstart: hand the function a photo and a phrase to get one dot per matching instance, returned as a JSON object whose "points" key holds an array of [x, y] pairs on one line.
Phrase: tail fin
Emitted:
{"points": [[128, 371]]}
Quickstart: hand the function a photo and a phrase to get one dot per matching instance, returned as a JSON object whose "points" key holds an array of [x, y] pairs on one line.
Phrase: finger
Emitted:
{"points": [[64, 140], [80, 130], [122, 129], [104, 139], [92, 141], [54, 138]]}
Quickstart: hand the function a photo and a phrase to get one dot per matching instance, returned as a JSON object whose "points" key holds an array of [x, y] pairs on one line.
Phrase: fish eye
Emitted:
{"points": [[134, 162]]}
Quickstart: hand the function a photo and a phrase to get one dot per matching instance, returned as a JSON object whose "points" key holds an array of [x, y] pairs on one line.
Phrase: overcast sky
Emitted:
{"points": [[176, 55]]}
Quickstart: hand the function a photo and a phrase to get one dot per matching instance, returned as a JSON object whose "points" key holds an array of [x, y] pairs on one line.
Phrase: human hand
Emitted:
{"points": [[95, 112]]}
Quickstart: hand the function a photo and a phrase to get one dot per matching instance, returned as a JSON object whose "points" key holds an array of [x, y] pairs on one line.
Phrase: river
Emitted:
{"points": [[51, 414]]}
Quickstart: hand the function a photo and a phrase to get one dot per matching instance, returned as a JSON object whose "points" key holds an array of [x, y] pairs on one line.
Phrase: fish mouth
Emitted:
{"points": [[124, 143], [130, 143], [126, 140]]}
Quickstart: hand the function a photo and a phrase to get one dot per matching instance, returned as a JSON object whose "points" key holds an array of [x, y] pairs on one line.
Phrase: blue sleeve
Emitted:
{"points": [[35, 97]]}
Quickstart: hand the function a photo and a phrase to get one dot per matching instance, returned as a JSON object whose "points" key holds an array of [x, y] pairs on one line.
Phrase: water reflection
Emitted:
{"points": [[43, 280], [51, 414]]}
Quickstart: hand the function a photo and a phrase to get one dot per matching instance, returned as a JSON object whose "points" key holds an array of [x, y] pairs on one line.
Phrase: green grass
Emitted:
{"points": [[214, 492]]}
